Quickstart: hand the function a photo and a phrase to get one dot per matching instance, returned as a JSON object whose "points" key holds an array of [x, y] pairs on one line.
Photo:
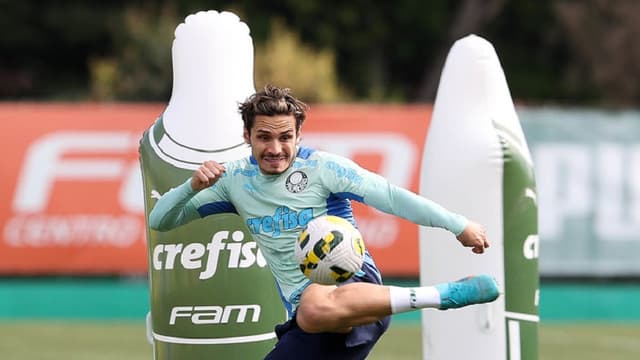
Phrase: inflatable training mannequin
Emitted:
{"points": [[211, 294], [476, 162]]}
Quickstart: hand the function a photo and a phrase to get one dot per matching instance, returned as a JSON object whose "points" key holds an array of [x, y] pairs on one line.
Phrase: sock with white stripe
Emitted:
{"points": [[407, 299]]}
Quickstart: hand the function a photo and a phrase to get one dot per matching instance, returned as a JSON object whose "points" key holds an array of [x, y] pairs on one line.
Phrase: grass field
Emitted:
{"points": [[96, 319], [108, 340]]}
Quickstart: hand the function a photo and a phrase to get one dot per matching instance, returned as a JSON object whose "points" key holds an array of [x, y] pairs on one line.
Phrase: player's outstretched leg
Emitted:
{"points": [[335, 309], [468, 291]]}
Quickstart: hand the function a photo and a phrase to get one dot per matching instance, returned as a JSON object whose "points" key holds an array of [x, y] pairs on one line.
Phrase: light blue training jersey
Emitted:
{"points": [[276, 208]]}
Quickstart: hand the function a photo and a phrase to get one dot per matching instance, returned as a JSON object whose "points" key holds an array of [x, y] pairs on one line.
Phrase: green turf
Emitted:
{"points": [[80, 340], [592, 341], [102, 319], [400, 342], [71, 340]]}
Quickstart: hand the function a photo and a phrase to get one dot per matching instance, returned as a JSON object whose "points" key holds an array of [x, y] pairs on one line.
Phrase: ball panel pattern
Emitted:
{"points": [[330, 250]]}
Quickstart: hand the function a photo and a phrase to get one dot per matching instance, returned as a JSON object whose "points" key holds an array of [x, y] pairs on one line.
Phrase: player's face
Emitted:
{"points": [[273, 142]]}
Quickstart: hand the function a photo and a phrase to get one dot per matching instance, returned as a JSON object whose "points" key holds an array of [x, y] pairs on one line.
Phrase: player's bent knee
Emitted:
{"points": [[318, 312], [312, 318]]}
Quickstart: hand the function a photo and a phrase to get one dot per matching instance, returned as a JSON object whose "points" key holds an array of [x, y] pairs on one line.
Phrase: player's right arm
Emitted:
{"points": [[178, 206], [206, 175]]}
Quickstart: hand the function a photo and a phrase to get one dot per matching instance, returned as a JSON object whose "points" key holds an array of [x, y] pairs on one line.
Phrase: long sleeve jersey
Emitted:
{"points": [[276, 208]]}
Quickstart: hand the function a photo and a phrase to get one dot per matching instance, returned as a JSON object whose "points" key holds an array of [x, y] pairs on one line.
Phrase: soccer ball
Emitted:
{"points": [[329, 250]]}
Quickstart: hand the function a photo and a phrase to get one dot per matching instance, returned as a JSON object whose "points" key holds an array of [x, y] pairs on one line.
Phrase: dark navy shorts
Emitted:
{"points": [[294, 344]]}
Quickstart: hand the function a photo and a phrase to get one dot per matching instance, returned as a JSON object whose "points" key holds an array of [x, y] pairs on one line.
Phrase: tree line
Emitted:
{"points": [[552, 51]]}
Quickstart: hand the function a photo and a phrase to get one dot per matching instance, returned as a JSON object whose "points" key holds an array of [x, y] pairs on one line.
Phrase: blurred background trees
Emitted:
{"points": [[564, 51]]}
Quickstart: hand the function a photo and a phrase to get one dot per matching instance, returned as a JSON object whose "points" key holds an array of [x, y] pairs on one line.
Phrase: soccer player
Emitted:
{"points": [[288, 184]]}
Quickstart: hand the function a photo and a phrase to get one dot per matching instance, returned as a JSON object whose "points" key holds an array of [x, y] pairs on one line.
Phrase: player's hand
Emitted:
{"points": [[206, 175], [475, 237]]}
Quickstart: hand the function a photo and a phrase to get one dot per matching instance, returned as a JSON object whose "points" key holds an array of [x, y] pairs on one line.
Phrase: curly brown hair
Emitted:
{"points": [[272, 100]]}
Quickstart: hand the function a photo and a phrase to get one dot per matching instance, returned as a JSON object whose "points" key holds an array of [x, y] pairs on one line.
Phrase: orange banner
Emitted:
{"points": [[72, 193]]}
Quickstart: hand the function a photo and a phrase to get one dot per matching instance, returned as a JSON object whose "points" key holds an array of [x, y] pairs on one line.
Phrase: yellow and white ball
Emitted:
{"points": [[330, 250]]}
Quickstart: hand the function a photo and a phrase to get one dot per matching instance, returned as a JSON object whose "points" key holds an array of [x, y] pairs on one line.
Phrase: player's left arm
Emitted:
{"points": [[376, 191], [474, 236], [406, 204]]}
